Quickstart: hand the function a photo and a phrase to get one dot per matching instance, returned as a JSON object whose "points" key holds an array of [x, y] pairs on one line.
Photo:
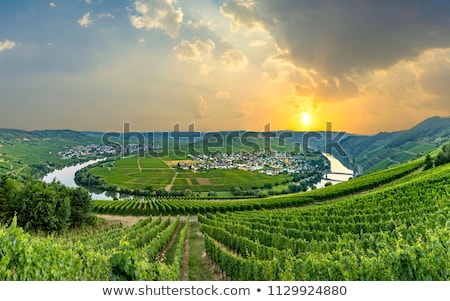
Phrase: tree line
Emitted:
{"points": [[442, 157], [47, 207]]}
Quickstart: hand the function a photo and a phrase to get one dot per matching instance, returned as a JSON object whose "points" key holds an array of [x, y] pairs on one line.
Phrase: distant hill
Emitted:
{"points": [[13, 134], [363, 153], [68, 135], [430, 130], [371, 153]]}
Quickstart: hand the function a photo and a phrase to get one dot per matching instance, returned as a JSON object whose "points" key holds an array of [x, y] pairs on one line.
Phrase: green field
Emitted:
{"points": [[141, 173], [223, 180]]}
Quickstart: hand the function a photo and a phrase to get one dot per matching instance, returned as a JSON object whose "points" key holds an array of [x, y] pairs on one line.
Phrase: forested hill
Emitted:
{"points": [[430, 130], [382, 150], [14, 134], [73, 136]]}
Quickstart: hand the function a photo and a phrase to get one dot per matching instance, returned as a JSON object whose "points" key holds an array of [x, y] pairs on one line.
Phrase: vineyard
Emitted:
{"points": [[119, 253], [174, 205], [401, 232], [389, 225]]}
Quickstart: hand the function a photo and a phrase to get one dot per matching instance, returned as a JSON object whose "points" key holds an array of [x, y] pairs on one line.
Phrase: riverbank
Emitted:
{"points": [[338, 172], [66, 176]]}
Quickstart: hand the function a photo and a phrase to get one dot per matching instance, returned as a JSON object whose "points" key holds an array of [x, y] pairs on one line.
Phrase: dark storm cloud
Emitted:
{"points": [[337, 37]]}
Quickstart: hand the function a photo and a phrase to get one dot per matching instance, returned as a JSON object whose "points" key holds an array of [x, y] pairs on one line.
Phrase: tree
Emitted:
{"points": [[80, 203], [236, 191], [428, 162], [267, 186], [161, 192], [8, 191], [42, 207], [444, 156], [187, 192], [262, 194], [293, 188]]}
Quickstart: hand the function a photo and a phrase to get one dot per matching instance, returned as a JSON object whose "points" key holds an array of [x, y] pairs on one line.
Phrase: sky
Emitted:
{"points": [[365, 66]]}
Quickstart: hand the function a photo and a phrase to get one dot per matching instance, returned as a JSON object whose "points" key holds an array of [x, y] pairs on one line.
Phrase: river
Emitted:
{"points": [[338, 172], [66, 175]]}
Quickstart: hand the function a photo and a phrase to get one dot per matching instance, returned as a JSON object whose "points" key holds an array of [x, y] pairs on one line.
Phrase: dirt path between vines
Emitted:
{"points": [[196, 265], [125, 220], [185, 262], [162, 254]]}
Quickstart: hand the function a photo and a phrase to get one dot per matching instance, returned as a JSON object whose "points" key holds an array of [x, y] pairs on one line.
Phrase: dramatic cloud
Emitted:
{"points": [[85, 21], [340, 37], [242, 13], [196, 51], [307, 83], [6, 45], [367, 66], [157, 14], [434, 72], [234, 60], [421, 83], [279, 69]]}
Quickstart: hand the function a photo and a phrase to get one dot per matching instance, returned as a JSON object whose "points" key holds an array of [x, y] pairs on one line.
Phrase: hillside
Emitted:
{"points": [[35, 152], [11, 135], [371, 153], [68, 135], [431, 130], [391, 225], [14, 134]]}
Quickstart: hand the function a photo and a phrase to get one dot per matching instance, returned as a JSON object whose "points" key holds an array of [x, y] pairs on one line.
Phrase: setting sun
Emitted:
{"points": [[306, 119]]}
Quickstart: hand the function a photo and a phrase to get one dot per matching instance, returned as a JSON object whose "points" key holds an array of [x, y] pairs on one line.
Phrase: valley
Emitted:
{"points": [[387, 224]]}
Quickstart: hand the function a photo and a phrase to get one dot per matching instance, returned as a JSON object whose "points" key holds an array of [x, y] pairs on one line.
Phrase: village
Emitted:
{"points": [[91, 150], [265, 162], [271, 163]]}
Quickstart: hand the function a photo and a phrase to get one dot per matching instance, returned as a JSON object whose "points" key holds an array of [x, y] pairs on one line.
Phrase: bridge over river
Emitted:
{"points": [[338, 173], [335, 179]]}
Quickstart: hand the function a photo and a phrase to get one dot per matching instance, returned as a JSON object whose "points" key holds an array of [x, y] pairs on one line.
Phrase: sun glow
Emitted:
{"points": [[306, 119]]}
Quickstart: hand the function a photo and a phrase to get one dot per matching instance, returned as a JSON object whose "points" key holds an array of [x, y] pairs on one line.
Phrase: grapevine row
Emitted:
{"points": [[400, 232], [128, 253]]}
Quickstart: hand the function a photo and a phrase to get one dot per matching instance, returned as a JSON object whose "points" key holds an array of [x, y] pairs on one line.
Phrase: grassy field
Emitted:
{"points": [[223, 180], [141, 173]]}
